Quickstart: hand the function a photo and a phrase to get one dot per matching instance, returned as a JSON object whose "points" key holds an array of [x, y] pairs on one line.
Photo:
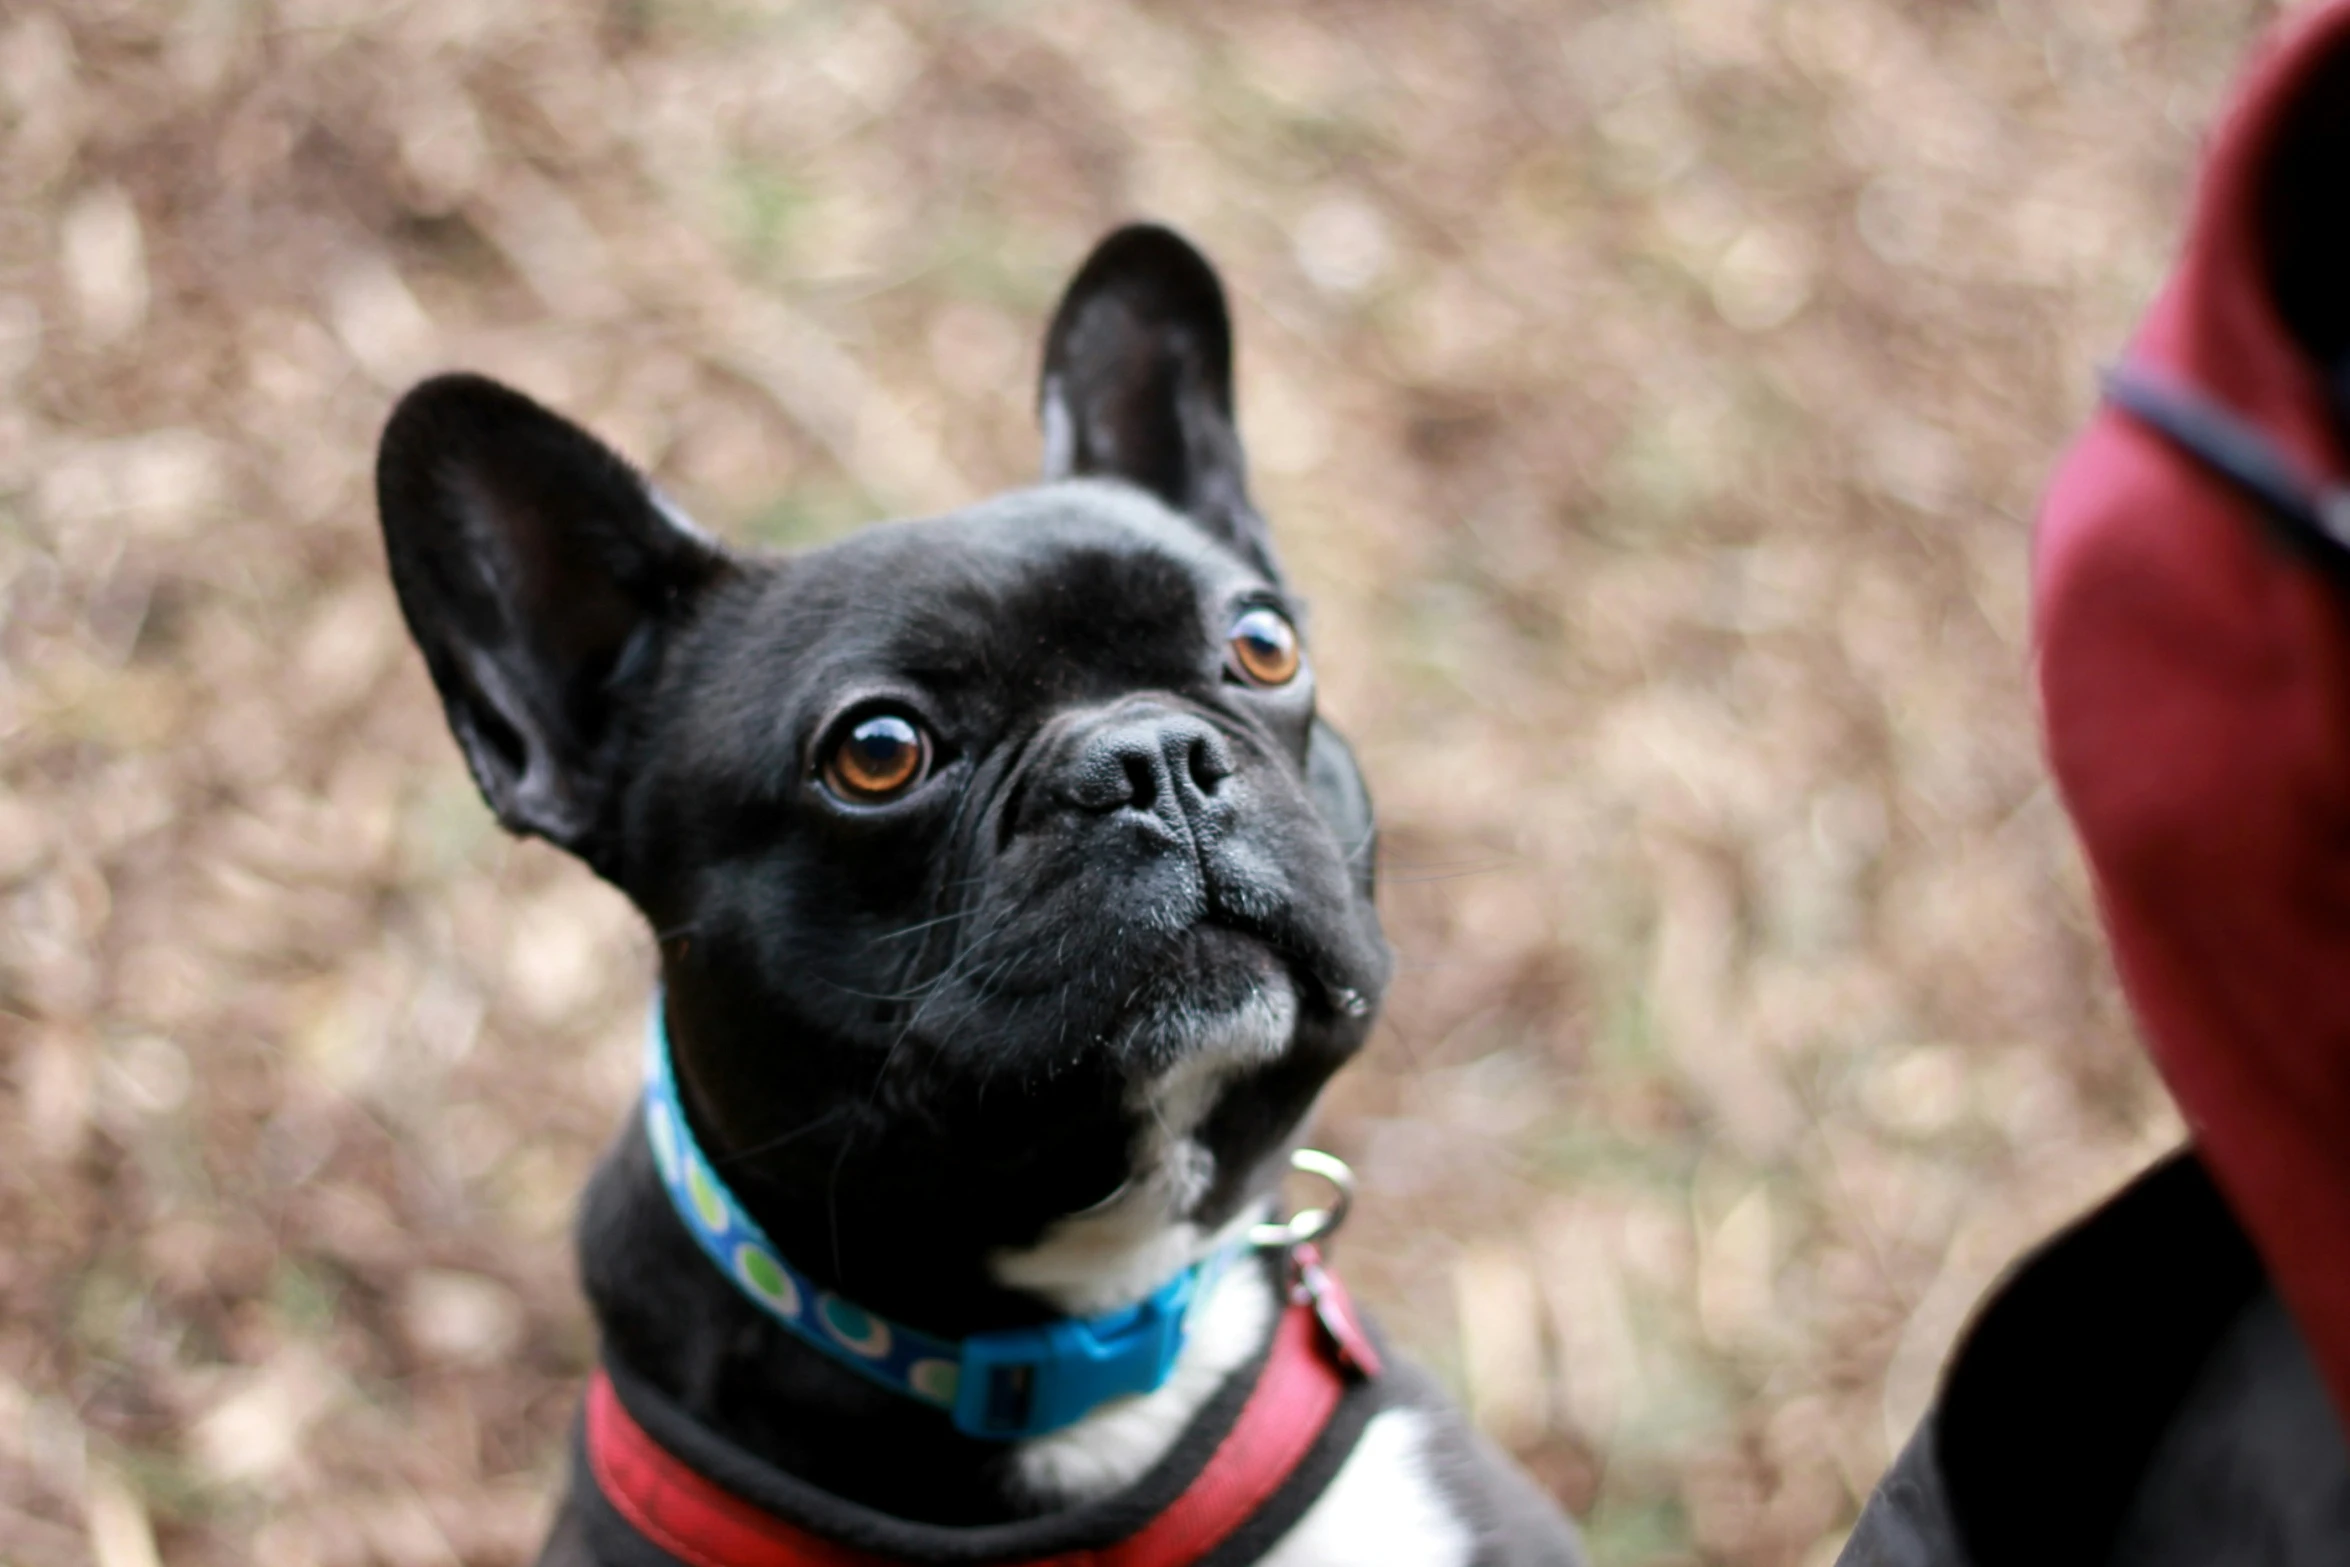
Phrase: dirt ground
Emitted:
{"points": [[1652, 398]]}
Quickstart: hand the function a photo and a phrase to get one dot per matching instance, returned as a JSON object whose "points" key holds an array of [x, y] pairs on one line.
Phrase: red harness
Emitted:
{"points": [[1316, 1347]]}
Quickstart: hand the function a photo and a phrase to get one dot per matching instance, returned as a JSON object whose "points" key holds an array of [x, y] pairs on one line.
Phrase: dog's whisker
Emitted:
{"points": [[1391, 860], [1491, 868], [916, 929], [979, 995], [740, 1155], [1403, 1042], [875, 995], [980, 834]]}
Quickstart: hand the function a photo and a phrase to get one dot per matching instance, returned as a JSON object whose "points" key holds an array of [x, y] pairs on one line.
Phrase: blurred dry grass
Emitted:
{"points": [[1652, 396]]}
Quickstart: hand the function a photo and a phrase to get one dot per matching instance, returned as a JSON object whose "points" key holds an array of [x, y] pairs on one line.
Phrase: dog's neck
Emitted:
{"points": [[671, 1317]]}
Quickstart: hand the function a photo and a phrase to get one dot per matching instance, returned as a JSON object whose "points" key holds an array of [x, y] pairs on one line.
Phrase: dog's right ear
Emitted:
{"points": [[539, 574], [1137, 384]]}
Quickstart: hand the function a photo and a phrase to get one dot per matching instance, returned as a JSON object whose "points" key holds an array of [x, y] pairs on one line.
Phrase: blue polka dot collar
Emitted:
{"points": [[1018, 1383]]}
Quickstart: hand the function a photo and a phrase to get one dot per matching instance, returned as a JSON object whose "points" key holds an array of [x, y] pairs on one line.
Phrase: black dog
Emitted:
{"points": [[1013, 907]]}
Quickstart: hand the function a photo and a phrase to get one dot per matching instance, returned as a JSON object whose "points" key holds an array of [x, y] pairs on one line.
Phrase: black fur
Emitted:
{"points": [[1138, 383], [911, 1033]]}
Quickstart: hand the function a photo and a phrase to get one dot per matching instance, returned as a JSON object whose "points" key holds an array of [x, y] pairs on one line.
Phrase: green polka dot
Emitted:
{"points": [[707, 1203], [760, 1275], [854, 1329], [935, 1380]]}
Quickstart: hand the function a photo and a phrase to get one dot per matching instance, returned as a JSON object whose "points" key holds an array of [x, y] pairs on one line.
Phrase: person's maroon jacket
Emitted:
{"points": [[2165, 1382]]}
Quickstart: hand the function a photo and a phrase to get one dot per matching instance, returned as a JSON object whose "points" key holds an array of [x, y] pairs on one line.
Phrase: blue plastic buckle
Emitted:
{"points": [[1027, 1381]]}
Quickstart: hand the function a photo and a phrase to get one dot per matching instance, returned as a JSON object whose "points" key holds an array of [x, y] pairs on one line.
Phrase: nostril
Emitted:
{"points": [[1155, 765], [1142, 780], [1207, 763]]}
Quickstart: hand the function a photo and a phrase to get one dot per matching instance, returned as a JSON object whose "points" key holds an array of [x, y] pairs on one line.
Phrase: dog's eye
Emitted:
{"points": [[1264, 647], [877, 758]]}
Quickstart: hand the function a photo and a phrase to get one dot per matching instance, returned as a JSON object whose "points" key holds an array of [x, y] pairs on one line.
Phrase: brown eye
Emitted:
{"points": [[878, 758], [1264, 645]]}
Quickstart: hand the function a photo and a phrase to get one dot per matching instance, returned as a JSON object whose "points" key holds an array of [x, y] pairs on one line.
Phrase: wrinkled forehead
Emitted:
{"points": [[1078, 574]]}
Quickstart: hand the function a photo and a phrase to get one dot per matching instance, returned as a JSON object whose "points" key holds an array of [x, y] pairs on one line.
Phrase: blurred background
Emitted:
{"points": [[1651, 397]]}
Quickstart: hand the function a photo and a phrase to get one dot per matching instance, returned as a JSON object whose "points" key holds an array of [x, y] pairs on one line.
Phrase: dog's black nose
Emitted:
{"points": [[1166, 765]]}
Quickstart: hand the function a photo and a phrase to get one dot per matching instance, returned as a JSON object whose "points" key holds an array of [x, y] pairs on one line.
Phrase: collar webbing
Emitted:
{"points": [[666, 1496], [1020, 1382]]}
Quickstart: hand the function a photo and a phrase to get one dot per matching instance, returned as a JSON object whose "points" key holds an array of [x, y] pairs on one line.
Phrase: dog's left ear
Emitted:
{"points": [[1138, 384], [542, 577]]}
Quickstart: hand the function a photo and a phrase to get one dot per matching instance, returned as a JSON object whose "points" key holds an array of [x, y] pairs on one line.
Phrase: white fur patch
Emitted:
{"points": [[1115, 1254], [1139, 1237], [1116, 1444], [1124, 1247], [1382, 1507]]}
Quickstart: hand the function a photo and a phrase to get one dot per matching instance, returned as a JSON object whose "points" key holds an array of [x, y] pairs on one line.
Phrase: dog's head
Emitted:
{"points": [[1013, 902]]}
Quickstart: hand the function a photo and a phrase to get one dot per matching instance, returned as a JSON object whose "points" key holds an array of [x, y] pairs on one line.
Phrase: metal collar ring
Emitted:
{"points": [[1315, 1225]]}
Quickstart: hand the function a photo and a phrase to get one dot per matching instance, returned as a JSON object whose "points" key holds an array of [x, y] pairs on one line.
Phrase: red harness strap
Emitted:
{"points": [[705, 1525]]}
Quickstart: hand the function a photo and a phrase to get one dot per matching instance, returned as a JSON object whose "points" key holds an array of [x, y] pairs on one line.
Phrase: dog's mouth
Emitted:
{"points": [[1221, 994], [1229, 994], [1224, 1005]]}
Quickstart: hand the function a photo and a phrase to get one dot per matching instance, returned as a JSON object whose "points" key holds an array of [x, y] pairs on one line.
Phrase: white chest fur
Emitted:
{"points": [[1116, 1444], [1382, 1507], [1139, 1237]]}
